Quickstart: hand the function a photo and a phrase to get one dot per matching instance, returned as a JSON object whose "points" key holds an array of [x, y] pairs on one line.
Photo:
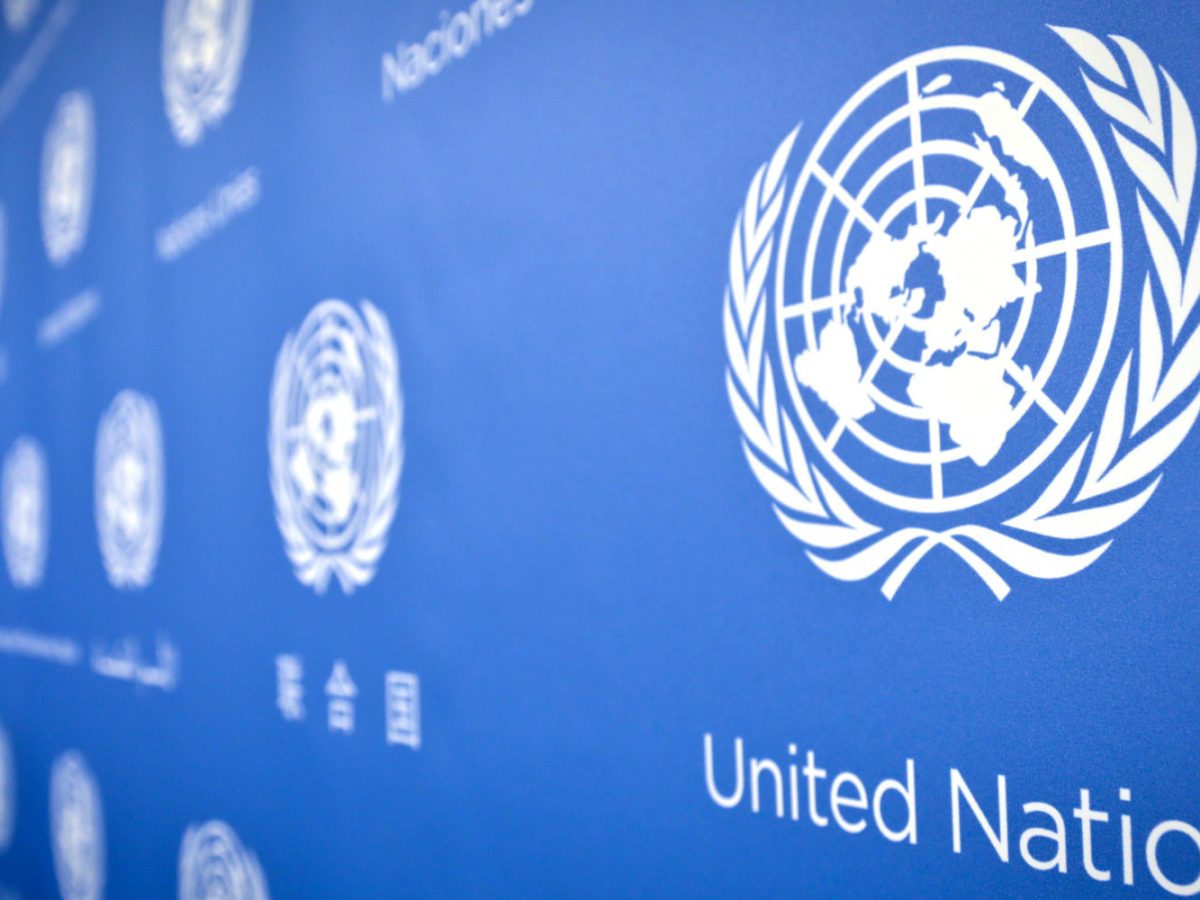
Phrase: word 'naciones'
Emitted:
{"points": [[453, 39]]}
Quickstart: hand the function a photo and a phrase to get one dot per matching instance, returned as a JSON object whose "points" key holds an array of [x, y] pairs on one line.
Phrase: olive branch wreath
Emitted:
{"points": [[355, 565], [1139, 429]]}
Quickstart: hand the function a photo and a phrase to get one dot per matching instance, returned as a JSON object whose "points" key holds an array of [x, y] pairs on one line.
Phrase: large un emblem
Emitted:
{"points": [[25, 508], [335, 443], [204, 42], [68, 162], [921, 318], [129, 489], [77, 829], [213, 865]]}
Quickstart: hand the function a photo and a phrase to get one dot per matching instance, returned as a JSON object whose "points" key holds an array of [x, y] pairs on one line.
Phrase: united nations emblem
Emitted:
{"points": [[921, 319], [335, 443], [19, 13], [129, 489], [204, 42], [25, 506], [68, 162], [213, 865], [77, 829], [8, 791]]}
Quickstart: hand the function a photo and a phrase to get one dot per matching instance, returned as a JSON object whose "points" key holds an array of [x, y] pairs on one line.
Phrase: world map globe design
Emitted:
{"points": [[332, 425], [130, 489], [335, 442], [24, 512], [77, 829], [950, 296]]}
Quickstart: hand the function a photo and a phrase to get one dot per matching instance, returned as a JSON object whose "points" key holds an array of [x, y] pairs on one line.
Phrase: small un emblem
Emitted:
{"points": [[68, 161], [77, 829], [204, 42], [19, 13], [129, 489], [335, 443], [25, 507]]}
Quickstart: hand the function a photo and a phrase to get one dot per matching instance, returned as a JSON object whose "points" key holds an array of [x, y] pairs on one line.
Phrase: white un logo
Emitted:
{"points": [[913, 312], [19, 13], [213, 865], [920, 315], [25, 512], [335, 443], [77, 829], [204, 42], [68, 163], [130, 489]]}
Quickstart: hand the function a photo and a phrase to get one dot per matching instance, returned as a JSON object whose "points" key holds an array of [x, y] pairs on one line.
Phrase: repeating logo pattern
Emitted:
{"points": [[130, 489], [25, 506], [213, 864], [941, 284], [204, 42], [335, 443], [8, 791], [19, 13], [68, 168], [77, 829]]}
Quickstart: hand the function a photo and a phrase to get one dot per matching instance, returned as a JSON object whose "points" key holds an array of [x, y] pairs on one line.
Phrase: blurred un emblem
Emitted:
{"points": [[25, 507], [8, 791], [204, 42], [76, 829], [335, 443], [213, 865], [129, 489], [921, 318], [18, 13], [68, 161]]}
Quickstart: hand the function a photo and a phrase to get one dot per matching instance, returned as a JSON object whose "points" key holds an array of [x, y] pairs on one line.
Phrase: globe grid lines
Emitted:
{"points": [[347, 355], [369, 414], [1069, 246], [935, 457], [941, 147], [915, 141], [327, 369], [917, 199], [318, 524], [938, 147]]}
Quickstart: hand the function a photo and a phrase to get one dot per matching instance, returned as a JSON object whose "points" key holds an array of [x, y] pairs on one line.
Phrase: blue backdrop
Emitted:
{"points": [[582, 570]]}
